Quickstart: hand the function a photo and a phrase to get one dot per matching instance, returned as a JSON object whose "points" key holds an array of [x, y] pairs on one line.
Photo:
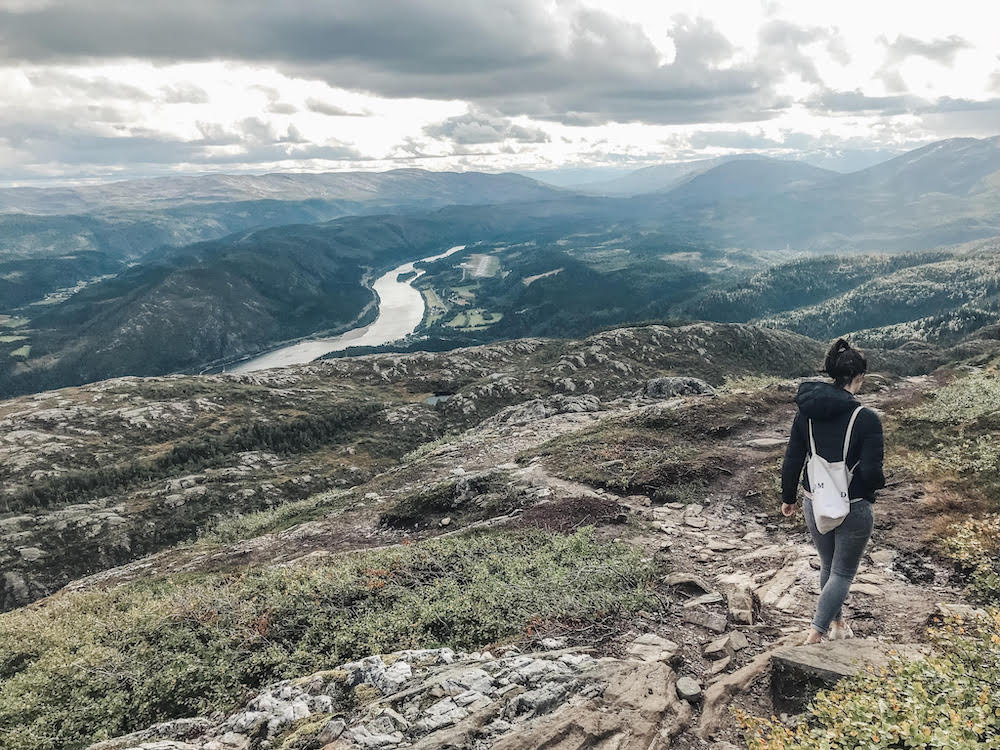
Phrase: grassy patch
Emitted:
{"points": [[22, 352], [11, 321], [951, 440], [953, 436], [474, 320], [670, 454], [626, 459], [272, 520], [468, 498], [12, 339], [88, 666]]}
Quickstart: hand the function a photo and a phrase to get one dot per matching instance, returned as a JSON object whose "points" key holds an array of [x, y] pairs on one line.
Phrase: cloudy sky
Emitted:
{"points": [[121, 88]]}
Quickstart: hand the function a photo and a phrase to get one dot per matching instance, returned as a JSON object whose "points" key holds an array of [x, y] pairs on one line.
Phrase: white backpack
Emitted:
{"points": [[829, 483]]}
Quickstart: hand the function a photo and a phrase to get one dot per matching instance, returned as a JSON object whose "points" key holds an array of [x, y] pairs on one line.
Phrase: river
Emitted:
{"points": [[400, 310]]}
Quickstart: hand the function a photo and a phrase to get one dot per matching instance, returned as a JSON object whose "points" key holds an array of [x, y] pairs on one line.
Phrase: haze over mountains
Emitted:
{"points": [[274, 267], [394, 189]]}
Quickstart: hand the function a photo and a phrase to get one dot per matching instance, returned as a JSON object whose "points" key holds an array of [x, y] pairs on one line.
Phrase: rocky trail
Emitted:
{"points": [[737, 601]]}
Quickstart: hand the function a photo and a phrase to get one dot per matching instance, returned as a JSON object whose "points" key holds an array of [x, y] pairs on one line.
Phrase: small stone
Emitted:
{"points": [[688, 581], [883, 556], [867, 589], [552, 644], [720, 545], [688, 688], [738, 640], [331, 731], [446, 521], [710, 598], [31, 554], [766, 443], [695, 522], [718, 649], [869, 578], [721, 665], [639, 500], [381, 725]]}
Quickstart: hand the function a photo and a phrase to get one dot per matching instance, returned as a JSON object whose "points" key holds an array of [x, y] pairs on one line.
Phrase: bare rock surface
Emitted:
{"points": [[437, 698]]}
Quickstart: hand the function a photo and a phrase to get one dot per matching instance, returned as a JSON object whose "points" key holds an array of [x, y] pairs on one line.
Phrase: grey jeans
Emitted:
{"points": [[840, 552]]}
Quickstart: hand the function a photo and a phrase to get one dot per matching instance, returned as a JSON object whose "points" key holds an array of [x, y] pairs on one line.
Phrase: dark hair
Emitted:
{"points": [[844, 363]]}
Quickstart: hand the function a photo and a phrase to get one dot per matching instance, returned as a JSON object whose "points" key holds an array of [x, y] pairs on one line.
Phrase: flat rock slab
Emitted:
{"points": [[715, 623], [651, 647], [799, 672]]}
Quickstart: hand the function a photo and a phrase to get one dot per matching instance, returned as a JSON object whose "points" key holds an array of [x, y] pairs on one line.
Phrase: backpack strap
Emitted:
{"points": [[850, 429], [812, 440]]}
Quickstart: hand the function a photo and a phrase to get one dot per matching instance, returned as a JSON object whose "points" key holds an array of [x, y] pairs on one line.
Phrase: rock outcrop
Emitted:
{"points": [[799, 672], [439, 699]]}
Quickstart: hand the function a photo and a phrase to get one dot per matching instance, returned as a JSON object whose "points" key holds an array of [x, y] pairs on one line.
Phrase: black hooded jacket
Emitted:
{"points": [[830, 409]]}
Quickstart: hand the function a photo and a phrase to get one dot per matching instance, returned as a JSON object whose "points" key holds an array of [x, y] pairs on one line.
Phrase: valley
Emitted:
{"points": [[400, 310], [548, 262]]}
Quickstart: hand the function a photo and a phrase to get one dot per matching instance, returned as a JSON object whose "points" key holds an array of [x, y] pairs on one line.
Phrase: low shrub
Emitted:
{"points": [[949, 699], [86, 666], [974, 545]]}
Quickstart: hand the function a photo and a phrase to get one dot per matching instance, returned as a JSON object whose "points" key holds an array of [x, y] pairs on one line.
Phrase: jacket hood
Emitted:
{"points": [[820, 401]]}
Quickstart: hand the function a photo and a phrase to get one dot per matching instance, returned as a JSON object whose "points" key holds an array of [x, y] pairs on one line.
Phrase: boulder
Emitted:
{"points": [[799, 672], [669, 387]]}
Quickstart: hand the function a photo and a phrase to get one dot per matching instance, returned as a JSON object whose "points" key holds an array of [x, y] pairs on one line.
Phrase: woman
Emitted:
{"points": [[829, 407]]}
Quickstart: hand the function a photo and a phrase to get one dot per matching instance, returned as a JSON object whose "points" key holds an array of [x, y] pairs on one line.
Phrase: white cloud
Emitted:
{"points": [[523, 85]]}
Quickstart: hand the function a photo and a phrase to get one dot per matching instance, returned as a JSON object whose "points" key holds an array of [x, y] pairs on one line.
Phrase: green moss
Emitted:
{"points": [[365, 694], [302, 734], [91, 665]]}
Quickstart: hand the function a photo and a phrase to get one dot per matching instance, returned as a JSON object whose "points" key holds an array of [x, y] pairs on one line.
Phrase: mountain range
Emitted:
{"points": [[123, 290]]}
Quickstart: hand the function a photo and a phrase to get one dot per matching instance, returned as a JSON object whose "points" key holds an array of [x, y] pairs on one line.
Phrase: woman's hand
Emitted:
{"points": [[788, 509]]}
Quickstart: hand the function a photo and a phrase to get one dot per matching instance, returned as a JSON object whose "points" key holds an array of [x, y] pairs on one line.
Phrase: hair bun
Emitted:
{"points": [[844, 362]]}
